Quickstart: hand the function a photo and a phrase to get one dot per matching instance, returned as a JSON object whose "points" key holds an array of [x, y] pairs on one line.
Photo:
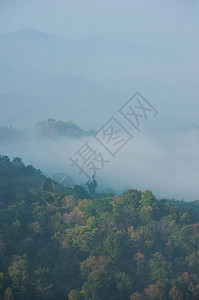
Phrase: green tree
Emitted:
{"points": [[18, 272], [131, 198], [8, 295], [75, 295]]}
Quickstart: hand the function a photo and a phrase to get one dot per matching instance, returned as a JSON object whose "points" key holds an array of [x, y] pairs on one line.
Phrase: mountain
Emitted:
{"points": [[26, 34], [58, 129], [50, 129], [32, 49], [9, 134], [39, 71]]}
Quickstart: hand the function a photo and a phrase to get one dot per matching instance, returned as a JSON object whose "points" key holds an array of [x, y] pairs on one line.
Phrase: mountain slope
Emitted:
{"points": [[102, 247], [50, 129]]}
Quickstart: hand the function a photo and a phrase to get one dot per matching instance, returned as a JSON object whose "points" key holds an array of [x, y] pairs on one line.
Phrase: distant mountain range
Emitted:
{"points": [[42, 75], [50, 129]]}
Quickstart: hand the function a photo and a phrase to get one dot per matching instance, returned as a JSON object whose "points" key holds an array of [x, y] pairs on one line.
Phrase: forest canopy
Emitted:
{"points": [[97, 246]]}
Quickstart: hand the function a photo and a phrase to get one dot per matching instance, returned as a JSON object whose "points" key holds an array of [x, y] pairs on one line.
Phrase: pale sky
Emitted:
{"points": [[174, 18], [110, 50]]}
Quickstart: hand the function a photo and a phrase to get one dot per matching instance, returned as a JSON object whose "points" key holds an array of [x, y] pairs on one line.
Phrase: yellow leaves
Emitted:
{"points": [[131, 232], [147, 208], [80, 203], [34, 228], [16, 223], [91, 222], [83, 237]]}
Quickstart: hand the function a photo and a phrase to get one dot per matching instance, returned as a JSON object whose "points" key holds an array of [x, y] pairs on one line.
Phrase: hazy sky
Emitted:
{"points": [[172, 18], [155, 46], [146, 45]]}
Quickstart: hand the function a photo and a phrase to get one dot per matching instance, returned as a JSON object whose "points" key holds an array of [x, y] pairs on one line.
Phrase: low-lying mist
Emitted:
{"points": [[166, 163]]}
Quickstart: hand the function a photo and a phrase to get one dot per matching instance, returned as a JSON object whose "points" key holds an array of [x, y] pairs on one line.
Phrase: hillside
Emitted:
{"points": [[95, 246], [50, 129]]}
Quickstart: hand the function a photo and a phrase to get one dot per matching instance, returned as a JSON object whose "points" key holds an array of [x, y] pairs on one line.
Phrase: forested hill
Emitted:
{"points": [[50, 129], [93, 247]]}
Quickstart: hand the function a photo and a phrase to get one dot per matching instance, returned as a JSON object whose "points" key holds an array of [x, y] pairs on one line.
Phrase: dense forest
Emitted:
{"points": [[93, 246]]}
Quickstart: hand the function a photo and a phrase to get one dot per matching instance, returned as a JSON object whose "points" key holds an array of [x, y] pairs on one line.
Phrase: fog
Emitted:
{"points": [[165, 163], [81, 61]]}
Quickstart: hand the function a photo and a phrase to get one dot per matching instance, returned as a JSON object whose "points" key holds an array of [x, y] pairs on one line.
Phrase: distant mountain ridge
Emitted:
{"points": [[25, 34], [51, 75], [50, 129]]}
